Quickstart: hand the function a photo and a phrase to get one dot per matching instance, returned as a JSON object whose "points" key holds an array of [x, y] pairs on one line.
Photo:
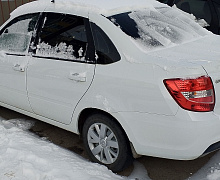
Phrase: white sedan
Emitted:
{"points": [[132, 77]]}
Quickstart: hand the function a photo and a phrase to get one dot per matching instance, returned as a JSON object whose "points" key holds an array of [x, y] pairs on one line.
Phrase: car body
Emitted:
{"points": [[209, 10], [127, 76]]}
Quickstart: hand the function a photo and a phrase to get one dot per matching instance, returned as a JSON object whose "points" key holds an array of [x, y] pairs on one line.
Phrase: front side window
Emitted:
{"points": [[159, 27], [63, 36], [16, 36]]}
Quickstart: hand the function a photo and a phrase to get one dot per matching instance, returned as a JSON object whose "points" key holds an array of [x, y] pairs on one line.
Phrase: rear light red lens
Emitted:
{"points": [[192, 94]]}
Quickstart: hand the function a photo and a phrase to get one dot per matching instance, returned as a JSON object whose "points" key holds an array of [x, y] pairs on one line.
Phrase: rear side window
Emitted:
{"points": [[16, 36], [157, 28], [106, 52], [63, 36]]}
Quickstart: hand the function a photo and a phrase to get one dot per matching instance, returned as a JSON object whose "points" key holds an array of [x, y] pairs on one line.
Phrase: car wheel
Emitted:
{"points": [[106, 143]]}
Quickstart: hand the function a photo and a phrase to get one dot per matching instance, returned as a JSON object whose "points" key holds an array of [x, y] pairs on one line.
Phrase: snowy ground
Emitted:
{"points": [[25, 156]]}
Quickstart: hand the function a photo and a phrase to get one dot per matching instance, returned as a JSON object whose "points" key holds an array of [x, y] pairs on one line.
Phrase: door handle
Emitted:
{"points": [[78, 77], [18, 67]]}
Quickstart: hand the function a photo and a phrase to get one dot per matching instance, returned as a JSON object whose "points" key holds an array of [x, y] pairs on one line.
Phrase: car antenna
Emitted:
{"points": [[53, 1]]}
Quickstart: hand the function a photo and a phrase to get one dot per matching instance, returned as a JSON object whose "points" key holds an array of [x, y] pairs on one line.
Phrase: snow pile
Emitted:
{"points": [[139, 172], [211, 171], [24, 156], [215, 175]]}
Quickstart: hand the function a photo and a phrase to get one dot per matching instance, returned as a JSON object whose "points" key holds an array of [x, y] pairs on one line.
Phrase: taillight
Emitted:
{"points": [[192, 94]]}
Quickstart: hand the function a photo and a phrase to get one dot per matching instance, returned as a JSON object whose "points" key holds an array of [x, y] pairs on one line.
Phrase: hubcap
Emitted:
{"points": [[103, 143]]}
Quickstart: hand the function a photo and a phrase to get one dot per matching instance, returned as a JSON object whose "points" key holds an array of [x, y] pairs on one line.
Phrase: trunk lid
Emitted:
{"points": [[204, 52]]}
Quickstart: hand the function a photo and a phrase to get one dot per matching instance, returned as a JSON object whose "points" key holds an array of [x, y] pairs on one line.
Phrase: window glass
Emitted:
{"points": [[199, 8], [157, 28], [63, 36], [106, 52], [16, 36], [163, 1]]}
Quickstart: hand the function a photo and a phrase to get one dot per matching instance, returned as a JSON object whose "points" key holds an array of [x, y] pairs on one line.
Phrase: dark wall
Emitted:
{"points": [[7, 6]]}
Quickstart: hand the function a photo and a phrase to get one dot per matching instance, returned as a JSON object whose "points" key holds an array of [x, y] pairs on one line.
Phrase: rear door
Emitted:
{"points": [[61, 70], [15, 38]]}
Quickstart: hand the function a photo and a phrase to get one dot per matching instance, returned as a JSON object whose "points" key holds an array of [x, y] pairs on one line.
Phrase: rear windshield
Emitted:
{"points": [[159, 27]]}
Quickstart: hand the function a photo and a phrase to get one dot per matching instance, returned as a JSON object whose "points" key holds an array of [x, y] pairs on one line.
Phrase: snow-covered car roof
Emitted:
{"points": [[104, 7], [151, 24]]}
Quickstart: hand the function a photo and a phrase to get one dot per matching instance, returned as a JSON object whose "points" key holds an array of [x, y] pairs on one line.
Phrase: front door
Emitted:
{"points": [[15, 38]]}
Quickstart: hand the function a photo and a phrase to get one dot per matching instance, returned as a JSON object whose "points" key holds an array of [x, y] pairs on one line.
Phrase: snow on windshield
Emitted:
{"points": [[159, 27]]}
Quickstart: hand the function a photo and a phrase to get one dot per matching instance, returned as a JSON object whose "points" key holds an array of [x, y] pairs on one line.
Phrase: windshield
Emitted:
{"points": [[159, 27]]}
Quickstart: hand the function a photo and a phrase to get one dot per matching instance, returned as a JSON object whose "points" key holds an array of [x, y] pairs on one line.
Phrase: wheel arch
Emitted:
{"points": [[89, 111]]}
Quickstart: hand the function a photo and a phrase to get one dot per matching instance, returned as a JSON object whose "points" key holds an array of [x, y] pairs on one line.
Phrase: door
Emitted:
{"points": [[60, 72], [14, 44]]}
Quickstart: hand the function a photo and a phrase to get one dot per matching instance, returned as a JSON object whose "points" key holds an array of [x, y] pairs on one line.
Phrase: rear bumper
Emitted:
{"points": [[185, 136], [212, 148]]}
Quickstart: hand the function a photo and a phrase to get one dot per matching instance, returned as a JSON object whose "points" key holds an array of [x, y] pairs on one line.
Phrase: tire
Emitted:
{"points": [[106, 143]]}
